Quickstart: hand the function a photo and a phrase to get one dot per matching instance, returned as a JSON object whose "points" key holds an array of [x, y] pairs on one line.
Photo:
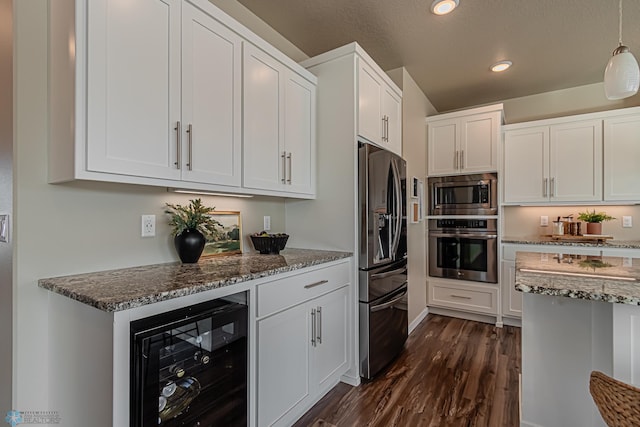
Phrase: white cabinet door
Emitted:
{"points": [[511, 298], [283, 346], [133, 87], [369, 104], [575, 161], [622, 158], [330, 351], [526, 166], [299, 134], [442, 150], [263, 154], [392, 114], [479, 143], [211, 90]]}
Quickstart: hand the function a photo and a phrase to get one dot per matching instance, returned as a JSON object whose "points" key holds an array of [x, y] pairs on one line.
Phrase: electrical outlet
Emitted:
{"points": [[4, 228], [266, 223], [627, 262], [148, 225], [544, 220], [627, 221]]}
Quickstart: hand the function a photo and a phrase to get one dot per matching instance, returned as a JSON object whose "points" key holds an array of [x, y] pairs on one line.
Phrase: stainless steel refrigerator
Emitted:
{"points": [[383, 257]]}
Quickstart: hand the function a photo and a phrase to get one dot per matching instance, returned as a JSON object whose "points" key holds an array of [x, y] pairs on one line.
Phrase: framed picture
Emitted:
{"points": [[228, 237], [421, 200], [415, 212], [414, 188]]}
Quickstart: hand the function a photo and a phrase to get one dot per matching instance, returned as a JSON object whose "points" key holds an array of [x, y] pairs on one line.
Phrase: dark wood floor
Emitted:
{"points": [[452, 372]]}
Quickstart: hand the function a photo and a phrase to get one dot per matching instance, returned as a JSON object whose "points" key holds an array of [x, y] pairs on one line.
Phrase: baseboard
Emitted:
{"points": [[419, 318], [463, 315], [512, 322], [351, 380]]}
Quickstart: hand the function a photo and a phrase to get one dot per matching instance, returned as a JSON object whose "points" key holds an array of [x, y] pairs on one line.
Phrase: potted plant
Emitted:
{"points": [[192, 224], [594, 220]]}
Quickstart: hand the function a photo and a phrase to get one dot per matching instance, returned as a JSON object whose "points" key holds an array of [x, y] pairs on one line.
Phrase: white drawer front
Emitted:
{"points": [[475, 298], [283, 293]]}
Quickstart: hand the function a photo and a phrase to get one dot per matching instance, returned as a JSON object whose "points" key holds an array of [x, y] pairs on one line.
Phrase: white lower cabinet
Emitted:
{"points": [[301, 342], [460, 295], [511, 298]]}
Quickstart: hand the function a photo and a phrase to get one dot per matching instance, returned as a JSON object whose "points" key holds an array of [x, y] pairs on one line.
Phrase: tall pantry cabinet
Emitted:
{"points": [[331, 220]]}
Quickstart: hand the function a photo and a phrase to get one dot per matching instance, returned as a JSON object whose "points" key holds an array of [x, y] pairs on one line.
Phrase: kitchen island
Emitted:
{"points": [[579, 314]]}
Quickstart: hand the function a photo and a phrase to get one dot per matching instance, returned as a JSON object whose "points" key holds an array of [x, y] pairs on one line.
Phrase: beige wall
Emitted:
{"points": [[565, 102], [524, 221], [77, 227], [250, 20], [6, 200], [415, 106]]}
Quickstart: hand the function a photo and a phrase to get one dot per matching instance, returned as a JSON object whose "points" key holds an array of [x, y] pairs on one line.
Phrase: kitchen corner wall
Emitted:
{"points": [[415, 107], [524, 221], [6, 201], [75, 227]]}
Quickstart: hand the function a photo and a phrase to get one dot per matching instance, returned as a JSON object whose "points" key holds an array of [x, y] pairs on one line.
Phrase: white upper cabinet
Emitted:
{"points": [[555, 163], [211, 103], [279, 126], [622, 158], [133, 87], [464, 142], [153, 89], [379, 109]]}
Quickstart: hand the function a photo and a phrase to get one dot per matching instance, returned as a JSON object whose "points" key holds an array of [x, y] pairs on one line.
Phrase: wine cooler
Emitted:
{"points": [[189, 367]]}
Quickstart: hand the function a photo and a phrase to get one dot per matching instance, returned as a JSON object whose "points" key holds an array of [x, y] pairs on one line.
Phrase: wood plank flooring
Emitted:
{"points": [[452, 373]]}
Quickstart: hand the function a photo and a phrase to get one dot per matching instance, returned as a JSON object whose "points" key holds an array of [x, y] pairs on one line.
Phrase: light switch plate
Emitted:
{"points": [[4, 228], [544, 220]]}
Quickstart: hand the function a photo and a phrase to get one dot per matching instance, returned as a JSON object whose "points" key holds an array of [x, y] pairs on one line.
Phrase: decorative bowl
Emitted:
{"points": [[269, 243]]}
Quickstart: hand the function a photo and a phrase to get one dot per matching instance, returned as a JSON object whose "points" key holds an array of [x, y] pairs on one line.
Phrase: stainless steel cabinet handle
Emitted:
{"points": [[289, 158], [455, 159], [284, 166], [313, 327], [319, 327], [190, 141], [545, 184], [459, 296], [178, 130], [552, 187], [461, 159], [313, 285]]}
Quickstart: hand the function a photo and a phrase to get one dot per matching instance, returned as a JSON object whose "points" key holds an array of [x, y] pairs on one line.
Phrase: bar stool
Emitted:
{"points": [[618, 402]]}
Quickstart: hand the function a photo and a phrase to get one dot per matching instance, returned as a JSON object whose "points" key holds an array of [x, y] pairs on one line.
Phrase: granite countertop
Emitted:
{"points": [[116, 290], [541, 240], [606, 278]]}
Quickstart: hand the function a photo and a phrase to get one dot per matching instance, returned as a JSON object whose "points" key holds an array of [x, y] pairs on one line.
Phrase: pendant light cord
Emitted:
{"points": [[620, 22]]}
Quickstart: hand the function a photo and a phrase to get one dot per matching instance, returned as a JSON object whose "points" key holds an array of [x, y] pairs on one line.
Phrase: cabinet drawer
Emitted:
{"points": [[280, 294], [475, 298]]}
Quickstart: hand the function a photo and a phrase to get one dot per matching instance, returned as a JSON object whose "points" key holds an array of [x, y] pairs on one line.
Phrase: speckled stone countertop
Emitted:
{"points": [[116, 290], [623, 244], [609, 279]]}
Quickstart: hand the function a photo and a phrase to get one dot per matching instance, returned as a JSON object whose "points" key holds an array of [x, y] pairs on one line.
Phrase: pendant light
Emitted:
{"points": [[622, 76]]}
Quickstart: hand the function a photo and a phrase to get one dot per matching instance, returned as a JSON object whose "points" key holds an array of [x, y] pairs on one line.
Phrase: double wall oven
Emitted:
{"points": [[463, 243]]}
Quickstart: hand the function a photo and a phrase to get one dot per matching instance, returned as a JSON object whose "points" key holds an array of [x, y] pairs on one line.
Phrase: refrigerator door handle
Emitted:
{"points": [[388, 304], [388, 273], [398, 201]]}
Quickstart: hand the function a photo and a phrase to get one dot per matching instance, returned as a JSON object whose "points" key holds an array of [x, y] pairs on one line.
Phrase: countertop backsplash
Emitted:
{"points": [[524, 221]]}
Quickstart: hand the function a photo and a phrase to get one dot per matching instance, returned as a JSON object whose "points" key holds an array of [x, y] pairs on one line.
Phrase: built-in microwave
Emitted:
{"points": [[464, 194]]}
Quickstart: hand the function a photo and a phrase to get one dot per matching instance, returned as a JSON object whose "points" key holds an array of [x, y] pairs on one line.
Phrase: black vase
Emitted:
{"points": [[189, 244]]}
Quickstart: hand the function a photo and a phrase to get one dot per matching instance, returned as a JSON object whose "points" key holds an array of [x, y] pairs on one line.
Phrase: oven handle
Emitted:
{"points": [[474, 236], [388, 273], [388, 304]]}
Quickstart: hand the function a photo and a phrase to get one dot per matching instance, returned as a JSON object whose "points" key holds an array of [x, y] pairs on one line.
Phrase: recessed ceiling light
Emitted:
{"points": [[442, 7], [501, 66]]}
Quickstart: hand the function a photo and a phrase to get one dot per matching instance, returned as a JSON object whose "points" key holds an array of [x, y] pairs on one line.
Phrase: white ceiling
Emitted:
{"points": [[554, 44]]}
